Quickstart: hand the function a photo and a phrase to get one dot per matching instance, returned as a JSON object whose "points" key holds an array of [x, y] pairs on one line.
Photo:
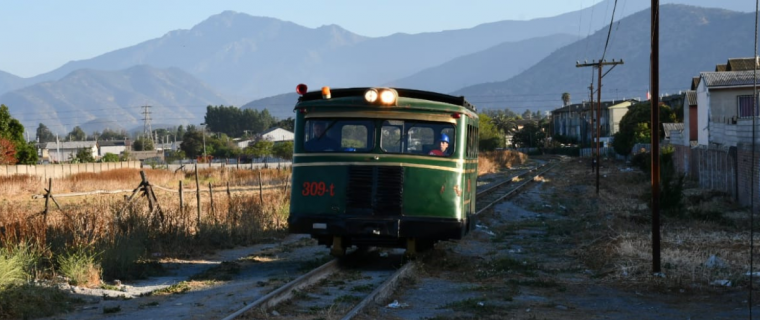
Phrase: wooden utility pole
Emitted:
{"points": [[655, 82], [599, 65]]}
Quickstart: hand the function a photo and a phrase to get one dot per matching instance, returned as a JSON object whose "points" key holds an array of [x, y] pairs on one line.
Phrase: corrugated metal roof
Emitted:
{"points": [[695, 83], [728, 78], [740, 64], [71, 145], [667, 127], [691, 97]]}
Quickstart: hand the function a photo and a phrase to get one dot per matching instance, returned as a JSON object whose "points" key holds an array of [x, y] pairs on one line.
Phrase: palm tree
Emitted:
{"points": [[566, 98]]}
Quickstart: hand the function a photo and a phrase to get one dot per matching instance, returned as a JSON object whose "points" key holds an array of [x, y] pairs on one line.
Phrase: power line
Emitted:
{"points": [[609, 31]]}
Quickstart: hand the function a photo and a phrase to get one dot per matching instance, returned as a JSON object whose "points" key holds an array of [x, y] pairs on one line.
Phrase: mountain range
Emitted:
{"points": [[692, 40], [233, 58]]}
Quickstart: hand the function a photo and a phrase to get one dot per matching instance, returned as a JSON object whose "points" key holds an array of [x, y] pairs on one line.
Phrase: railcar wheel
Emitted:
{"points": [[338, 249]]}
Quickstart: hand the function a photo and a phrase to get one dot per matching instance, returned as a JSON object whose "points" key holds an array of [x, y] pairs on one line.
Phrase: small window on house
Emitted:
{"points": [[744, 105]]}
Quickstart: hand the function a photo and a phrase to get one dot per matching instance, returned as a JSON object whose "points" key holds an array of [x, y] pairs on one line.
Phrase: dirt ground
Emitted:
{"points": [[556, 251], [559, 251]]}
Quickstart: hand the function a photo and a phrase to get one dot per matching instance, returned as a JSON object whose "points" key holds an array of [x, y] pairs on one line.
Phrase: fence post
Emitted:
{"points": [[261, 190], [198, 200], [181, 198], [211, 196], [47, 197]]}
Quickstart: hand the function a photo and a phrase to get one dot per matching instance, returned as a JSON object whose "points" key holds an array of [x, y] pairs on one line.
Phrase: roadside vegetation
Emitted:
{"points": [[100, 238]]}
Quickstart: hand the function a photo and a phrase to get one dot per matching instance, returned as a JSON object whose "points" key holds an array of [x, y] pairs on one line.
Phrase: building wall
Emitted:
{"points": [[724, 104], [703, 110], [117, 150], [279, 135], [57, 171]]}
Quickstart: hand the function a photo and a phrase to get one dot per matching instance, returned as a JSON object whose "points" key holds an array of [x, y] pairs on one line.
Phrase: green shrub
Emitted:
{"points": [[121, 258], [80, 266], [11, 271], [31, 301]]}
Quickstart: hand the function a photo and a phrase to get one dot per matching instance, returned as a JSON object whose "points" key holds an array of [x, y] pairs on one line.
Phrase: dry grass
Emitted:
{"points": [[613, 230], [494, 161], [18, 187], [127, 233]]}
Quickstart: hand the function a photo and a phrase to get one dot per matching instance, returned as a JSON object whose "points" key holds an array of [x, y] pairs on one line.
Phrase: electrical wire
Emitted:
{"points": [[609, 31]]}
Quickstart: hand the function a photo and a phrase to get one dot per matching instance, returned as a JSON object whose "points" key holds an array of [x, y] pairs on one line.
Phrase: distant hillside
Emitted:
{"points": [[692, 40], [246, 57], [112, 99], [279, 106], [497, 63], [10, 82]]}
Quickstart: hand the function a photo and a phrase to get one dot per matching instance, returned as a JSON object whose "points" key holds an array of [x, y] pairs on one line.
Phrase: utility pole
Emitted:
{"points": [[599, 65], [655, 83], [147, 131]]}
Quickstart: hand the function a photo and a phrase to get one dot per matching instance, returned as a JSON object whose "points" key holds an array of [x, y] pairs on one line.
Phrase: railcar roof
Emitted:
{"points": [[402, 93]]}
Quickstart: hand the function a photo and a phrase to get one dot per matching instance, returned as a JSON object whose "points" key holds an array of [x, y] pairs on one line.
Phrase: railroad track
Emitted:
{"points": [[383, 281], [356, 289], [498, 191]]}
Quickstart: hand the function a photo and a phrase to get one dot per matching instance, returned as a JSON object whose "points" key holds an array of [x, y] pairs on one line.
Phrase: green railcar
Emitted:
{"points": [[370, 167]]}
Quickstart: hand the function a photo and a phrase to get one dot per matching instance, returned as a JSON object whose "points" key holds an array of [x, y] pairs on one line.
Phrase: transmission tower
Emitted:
{"points": [[147, 131]]}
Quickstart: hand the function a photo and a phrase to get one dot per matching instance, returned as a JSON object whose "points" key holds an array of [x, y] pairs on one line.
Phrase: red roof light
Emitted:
{"points": [[301, 89]]}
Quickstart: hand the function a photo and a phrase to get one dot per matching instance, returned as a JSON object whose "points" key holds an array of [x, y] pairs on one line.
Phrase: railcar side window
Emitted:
{"points": [[417, 137], [334, 135]]}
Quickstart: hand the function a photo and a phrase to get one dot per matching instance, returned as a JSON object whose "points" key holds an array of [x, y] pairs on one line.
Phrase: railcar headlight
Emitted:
{"points": [[387, 97], [370, 95]]}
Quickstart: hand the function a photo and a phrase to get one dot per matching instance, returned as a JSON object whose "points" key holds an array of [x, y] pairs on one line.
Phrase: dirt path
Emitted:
{"points": [[251, 273], [524, 263]]}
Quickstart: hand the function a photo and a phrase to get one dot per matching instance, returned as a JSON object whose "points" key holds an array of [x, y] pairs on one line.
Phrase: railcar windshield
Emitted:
{"points": [[339, 135], [418, 137]]}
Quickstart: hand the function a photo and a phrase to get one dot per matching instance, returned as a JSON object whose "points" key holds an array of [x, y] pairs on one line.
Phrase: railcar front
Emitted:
{"points": [[383, 167]]}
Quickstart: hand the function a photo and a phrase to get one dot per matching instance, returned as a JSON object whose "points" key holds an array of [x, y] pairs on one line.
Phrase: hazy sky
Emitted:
{"points": [[41, 35]]}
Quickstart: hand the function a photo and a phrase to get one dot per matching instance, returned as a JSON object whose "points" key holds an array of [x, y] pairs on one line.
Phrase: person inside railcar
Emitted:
{"points": [[442, 146], [319, 140]]}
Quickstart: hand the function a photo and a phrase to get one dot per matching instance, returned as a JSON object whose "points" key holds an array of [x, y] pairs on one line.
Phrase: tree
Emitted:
{"points": [[44, 134], [192, 142], [490, 136], [83, 156], [12, 130], [110, 157], [262, 148], [109, 135], [529, 136], [565, 98], [635, 124], [7, 152], [143, 144], [180, 132], [77, 134], [283, 150], [287, 124], [527, 114]]}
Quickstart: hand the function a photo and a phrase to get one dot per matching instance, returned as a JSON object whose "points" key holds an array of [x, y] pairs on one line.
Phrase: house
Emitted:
{"points": [[243, 143], [116, 147], [724, 107], [64, 151], [690, 117], [277, 135], [578, 120], [672, 128], [616, 113]]}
